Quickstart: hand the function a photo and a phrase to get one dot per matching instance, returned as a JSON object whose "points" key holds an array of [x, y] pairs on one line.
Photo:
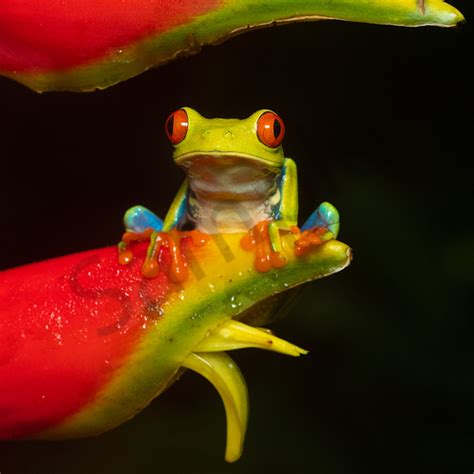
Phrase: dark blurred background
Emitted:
{"points": [[379, 121]]}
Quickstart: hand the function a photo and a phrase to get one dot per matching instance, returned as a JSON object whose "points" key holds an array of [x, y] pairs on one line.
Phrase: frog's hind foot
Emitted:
{"points": [[140, 223], [326, 217], [140, 219], [322, 225]]}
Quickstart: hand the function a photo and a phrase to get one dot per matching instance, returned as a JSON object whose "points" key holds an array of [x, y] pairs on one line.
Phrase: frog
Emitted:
{"points": [[240, 195], [237, 176]]}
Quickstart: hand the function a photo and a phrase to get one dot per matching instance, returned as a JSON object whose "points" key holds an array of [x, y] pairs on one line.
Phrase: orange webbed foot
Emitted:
{"points": [[170, 240], [311, 238], [258, 240]]}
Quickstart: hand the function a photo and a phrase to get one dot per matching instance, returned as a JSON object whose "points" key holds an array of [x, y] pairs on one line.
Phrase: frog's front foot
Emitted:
{"points": [[322, 225], [264, 240], [129, 237], [176, 267]]}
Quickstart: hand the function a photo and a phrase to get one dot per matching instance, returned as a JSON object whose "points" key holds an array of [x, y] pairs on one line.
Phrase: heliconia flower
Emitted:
{"points": [[86, 342], [88, 44]]}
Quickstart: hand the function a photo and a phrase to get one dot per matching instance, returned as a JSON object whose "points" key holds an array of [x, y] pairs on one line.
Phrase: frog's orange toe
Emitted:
{"points": [[310, 239], [172, 241], [258, 240]]}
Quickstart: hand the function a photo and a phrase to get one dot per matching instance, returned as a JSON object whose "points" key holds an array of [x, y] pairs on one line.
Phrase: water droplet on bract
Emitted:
{"points": [[235, 302]]}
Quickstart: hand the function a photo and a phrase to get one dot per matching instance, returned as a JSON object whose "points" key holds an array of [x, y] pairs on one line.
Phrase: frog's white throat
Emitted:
{"points": [[230, 192]]}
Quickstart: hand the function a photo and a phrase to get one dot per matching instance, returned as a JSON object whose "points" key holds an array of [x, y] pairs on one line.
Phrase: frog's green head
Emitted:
{"points": [[256, 139]]}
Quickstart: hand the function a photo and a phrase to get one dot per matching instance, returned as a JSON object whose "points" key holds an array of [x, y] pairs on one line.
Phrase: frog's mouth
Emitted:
{"points": [[224, 159]]}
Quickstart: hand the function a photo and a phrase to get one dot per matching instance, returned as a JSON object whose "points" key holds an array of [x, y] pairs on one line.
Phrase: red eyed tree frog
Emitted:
{"points": [[237, 177]]}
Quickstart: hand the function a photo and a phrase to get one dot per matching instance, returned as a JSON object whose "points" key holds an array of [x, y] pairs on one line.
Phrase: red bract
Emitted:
{"points": [[86, 343], [88, 44], [66, 327], [56, 34]]}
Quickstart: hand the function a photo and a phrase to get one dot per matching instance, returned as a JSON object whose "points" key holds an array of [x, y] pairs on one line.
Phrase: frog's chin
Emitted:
{"points": [[224, 159]]}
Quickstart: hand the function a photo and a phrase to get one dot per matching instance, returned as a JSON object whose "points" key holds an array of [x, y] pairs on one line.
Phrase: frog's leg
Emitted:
{"points": [[325, 216], [174, 216], [142, 224], [139, 218], [177, 210], [287, 215], [209, 360]]}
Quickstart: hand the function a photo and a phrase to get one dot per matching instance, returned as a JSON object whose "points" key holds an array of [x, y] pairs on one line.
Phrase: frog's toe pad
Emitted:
{"points": [[325, 216]]}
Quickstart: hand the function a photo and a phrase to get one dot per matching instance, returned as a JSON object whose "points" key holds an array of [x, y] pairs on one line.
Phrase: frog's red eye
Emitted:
{"points": [[177, 126], [270, 129]]}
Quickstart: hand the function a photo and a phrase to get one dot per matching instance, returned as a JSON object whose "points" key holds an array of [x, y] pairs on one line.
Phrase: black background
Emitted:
{"points": [[379, 122]]}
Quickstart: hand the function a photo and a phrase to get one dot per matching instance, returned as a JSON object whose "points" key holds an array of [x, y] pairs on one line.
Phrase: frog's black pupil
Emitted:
{"points": [[170, 126], [276, 128]]}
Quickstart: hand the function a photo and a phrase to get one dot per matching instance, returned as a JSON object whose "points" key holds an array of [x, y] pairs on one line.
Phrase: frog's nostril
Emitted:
{"points": [[228, 134]]}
